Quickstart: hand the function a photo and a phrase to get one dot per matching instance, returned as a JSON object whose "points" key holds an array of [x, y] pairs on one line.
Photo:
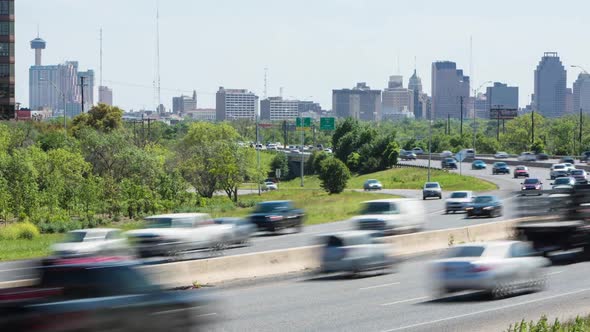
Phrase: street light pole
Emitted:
{"points": [[429, 145]]}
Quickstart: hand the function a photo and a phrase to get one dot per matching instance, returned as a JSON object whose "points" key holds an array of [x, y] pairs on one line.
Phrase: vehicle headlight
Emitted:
{"points": [[523, 188], [469, 208], [488, 208]]}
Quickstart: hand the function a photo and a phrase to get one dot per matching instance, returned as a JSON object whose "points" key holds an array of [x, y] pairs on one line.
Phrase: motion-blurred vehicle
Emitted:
{"points": [[274, 216], [175, 233], [527, 156], [485, 206], [478, 164], [521, 171], [531, 186], [295, 151], [448, 163], [272, 147], [446, 154], [354, 252], [500, 167], [100, 294], [501, 155], [500, 268], [269, 185], [372, 184], [431, 189], [580, 175], [567, 159], [241, 230], [328, 150], [585, 156], [469, 153], [563, 183], [94, 241], [390, 216], [542, 156], [558, 170], [458, 201], [407, 155], [418, 151], [570, 167]]}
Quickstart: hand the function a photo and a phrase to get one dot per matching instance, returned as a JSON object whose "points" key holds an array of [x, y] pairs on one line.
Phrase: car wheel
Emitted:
{"points": [[447, 212], [423, 198]]}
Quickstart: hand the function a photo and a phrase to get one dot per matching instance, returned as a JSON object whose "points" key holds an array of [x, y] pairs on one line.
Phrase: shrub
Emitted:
{"points": [[334, 175], [18, 231]]}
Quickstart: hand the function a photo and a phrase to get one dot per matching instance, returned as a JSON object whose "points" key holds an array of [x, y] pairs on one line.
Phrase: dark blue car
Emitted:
{"points": [[500, 168], [485, 206]]}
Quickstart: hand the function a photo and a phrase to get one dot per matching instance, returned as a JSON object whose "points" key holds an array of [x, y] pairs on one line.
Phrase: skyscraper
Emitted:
{"points": [[395, 99], [88, 89], [415, 84], [502, 100], [277, 108], [550, 85], [581, 93], [7, 102], [54, 87], [232, 104], [184, 103], [105, 95], [450, 90], [359, 102]]}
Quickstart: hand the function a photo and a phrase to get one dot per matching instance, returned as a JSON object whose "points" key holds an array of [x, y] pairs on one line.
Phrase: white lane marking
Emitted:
{"points": [[210, 314], [379, 286], [554, 273], [404, 301], [488, 310]]}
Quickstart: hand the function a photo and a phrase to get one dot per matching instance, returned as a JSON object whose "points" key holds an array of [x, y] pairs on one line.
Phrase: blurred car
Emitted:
{"points": [[431, 189], [500, 268], [390, 216], [478, 164], [500, 167], [558, 170], [458, 201], [372, 184], [542, 156], [527, 156], [95, 241], [295, 151], [501, 155], [407, 155], [531, 186], [521, 171], [449, 163], [269, 185], [570, 167], [580, 175], [241, 229], [485, 206], [353, 252], [446, 154], [469, 153], [567, 159], [328, 150], [585, 156], [273, 216], [418, 151], [563, 183]]}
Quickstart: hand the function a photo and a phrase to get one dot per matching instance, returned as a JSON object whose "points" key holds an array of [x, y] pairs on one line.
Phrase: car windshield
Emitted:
{"points": [[158, 222], [577, 172], [478, 162], [75, 237], [484, 199], [379, 208], [558, 166], [459, 195], [562, 181], [500, 164], [531, 181], [431, 185], [568, 165], [270, 207], [465, 251], [520, 168], [372, 181]]}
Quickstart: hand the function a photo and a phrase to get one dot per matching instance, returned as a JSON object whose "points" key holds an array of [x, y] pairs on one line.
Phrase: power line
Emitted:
{"points": [[144, 86]]}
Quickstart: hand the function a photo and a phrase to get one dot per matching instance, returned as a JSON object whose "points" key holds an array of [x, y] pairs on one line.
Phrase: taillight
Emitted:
{"points": [[275, 218], [480, 268]]}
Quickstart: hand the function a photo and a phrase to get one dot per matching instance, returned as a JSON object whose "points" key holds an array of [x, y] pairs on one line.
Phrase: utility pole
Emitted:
{"points": [[498, 126], [533, 128], [448, 124], [461, 130], [82, 91], [429, 145], [285, 133], [257, 156], [580, 137], [302, 154]]}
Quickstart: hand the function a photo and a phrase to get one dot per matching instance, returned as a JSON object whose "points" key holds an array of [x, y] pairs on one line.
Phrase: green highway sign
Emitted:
{"points": [[306, 122], [327, 124]]}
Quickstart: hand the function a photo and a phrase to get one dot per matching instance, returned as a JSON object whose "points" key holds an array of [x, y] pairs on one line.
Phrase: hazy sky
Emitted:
{"points": [[309, 46]]}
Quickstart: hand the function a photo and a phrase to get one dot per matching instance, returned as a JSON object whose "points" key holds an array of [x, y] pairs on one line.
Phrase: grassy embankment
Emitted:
{"points": [[579, 324]]}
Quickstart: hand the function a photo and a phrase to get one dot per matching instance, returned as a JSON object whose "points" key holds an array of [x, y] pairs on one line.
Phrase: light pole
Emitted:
{"points": [[475, 91], [429, 144], [580, 134]]}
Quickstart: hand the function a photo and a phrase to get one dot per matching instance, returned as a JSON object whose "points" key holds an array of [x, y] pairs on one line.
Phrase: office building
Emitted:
{"points": [[184, 103], [54, 87], [359, 102], [233, 104], [502, 100], [396, 99], [569, 100], [105, 95], [550, 86], [415, 84], [201, 114], [395, 81], [450, 90], [309, 106], [277, 108], [7, 77], [86, 81], [581, 93]]}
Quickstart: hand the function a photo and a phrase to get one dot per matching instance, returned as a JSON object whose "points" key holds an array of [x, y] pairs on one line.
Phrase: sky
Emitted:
{"points": [[309, 47]]}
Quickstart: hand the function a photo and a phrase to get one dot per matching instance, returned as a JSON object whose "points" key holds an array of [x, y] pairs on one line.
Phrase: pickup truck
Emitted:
{"points": [[171, 234], [100, 294], [273, 216]]}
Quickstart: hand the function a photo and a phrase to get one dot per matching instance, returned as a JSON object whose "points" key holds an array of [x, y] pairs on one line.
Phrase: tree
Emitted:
{"points": [[538, 146], [334, 175], [391, 154], [101, 117], [281, 161]]}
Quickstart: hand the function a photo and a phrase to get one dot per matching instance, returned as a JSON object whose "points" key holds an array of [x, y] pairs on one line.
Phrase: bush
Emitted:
{"points": [[19, 231], [334, 175]]}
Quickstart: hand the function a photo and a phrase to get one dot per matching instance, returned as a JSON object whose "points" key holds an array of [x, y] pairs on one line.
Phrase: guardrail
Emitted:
{"points": [[541, 164]]}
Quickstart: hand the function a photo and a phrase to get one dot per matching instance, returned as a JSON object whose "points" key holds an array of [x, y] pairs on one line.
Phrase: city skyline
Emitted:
{"points": [[194, 56]]}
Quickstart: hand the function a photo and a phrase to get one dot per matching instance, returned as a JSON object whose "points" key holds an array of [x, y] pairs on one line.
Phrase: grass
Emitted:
{"points": [[578, 324], [405, 178], [21, 249]]}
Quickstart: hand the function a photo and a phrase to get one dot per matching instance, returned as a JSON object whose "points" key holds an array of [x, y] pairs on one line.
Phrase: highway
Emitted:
{"points": [[401, 301]]}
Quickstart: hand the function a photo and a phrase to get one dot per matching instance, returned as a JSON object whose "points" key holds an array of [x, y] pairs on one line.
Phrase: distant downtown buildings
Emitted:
{"points": [[234, 104], [549, 98], [360, 102], [450, 90]]}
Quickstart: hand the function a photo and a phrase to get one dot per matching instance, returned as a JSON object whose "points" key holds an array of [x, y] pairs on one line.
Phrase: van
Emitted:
{"points": [[391, 216]]}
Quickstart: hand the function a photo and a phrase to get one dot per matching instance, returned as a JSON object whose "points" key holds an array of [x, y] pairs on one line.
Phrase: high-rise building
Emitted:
{"points": [[184, 103], [415, 84], [581, 93], [450, 90], [360, 103], [7, 79], [309, 106], [277, 108], [232, 104], [395, 81], [502, 100], [105, 95], [395, 99], [86, 90], [569, 100], [550, 85], [55, 87]]}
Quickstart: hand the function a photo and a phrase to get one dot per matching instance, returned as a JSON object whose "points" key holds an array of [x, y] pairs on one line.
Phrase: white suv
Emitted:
{"points": [[527, 156]]}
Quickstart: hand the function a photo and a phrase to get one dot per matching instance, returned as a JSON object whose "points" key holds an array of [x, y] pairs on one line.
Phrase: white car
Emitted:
{"points": [[458, 201], [391, 216], [94, 241], [558, 170], [570, 167], [500, 268], [527, 156], [271, 185], [418, 151], [328, 150], [170, 234], [501, 155], [446, 154], [272, 147]]}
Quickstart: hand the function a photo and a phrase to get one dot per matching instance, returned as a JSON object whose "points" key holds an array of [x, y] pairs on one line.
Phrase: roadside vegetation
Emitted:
{"points": [[579, 324]]}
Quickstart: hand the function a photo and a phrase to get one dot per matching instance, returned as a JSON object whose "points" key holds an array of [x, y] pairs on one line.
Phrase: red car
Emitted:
{"points": [[521, 171]]}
